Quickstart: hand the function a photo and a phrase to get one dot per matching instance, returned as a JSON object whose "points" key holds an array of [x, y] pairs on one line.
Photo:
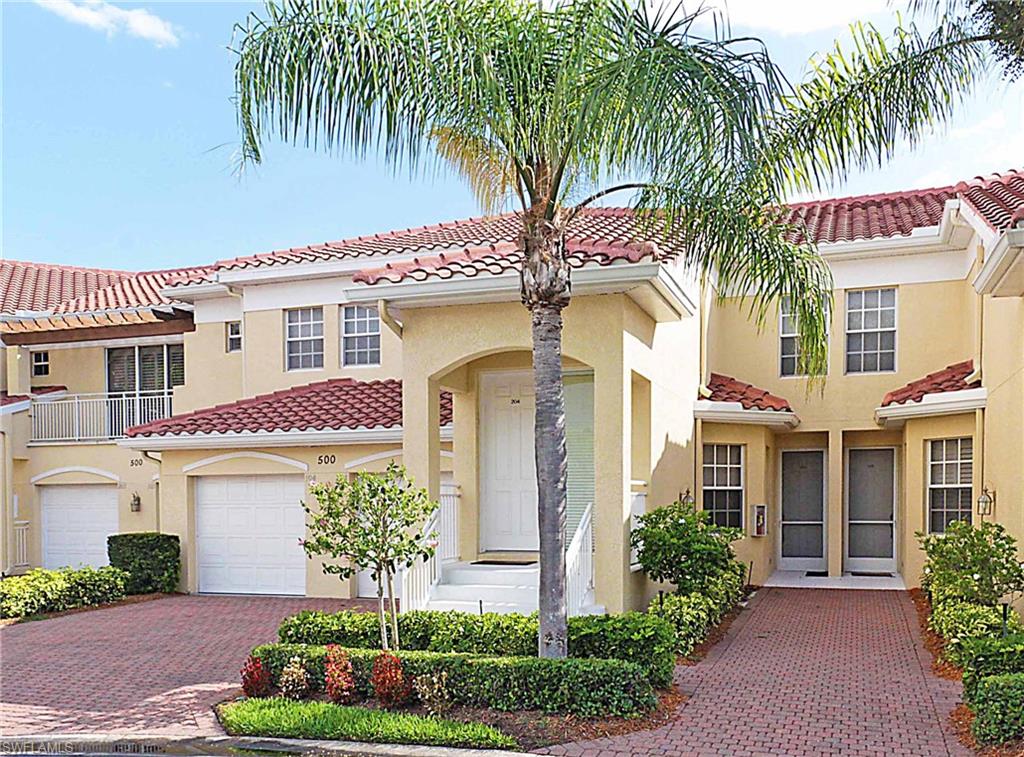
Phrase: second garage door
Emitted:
{"points": [[247, 534], [76, 523]]}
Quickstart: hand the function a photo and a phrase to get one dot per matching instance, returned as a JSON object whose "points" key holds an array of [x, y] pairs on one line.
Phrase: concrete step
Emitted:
{"points": [[497, 592], [502, 575], [473, 606]]}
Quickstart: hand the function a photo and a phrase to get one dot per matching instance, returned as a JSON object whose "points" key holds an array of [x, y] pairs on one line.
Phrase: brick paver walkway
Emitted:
{"points": [[153, 667], [807, 672]]}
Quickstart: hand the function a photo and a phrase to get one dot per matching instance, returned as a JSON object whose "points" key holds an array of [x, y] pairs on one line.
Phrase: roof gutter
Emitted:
{"points": [[931, 405], [260, 439], [1002, 274], [952, 233], [734, 412]]}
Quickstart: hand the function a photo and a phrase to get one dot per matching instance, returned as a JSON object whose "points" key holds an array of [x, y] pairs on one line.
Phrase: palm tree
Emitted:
{"points": [[554, 107]]}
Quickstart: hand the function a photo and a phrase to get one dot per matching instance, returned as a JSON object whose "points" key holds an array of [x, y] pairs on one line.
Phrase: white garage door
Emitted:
{"points": [[76, 523], [247, 534]]}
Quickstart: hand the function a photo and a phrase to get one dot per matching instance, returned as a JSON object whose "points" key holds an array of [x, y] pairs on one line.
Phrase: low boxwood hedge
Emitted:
{"points": [[990, 656], [583, 687], [999, 709], [284, 718], [41, 591], [153, 560], [959, 622], [631, 637], [692, 615]]}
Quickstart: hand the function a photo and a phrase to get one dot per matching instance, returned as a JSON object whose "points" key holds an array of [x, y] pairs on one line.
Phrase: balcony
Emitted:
{"points": [[95, 417]]}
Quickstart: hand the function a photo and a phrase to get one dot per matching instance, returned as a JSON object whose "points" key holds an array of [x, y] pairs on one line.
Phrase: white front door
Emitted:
{"points": [[247, 534], [871, 510], [76, 521], [508, 481]]}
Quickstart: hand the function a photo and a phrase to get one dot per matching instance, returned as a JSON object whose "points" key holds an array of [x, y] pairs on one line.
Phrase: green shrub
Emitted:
{"points": [[283, 718], [583, 687], [153, 560], [41, 591], [691, 615], [958, 622], [679, 544], [990, 656], [632, 637], [977, 564], [999, 709]]}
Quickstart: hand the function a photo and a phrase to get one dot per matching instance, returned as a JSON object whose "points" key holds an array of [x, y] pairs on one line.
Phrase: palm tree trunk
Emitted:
{"points": [[545, 291]]}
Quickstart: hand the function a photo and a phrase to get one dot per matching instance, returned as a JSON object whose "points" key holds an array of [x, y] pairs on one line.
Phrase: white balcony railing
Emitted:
{"points": [[20, 544], [579, 565], [95, 417], [448, 524]]}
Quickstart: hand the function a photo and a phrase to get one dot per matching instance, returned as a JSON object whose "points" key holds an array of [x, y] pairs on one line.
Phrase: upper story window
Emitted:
{"points": [[150, 368], [871, 330], [360, 335], [304, 338], [40, 363], [950, 473], [789, 340], [723, 484], [233, 336]]}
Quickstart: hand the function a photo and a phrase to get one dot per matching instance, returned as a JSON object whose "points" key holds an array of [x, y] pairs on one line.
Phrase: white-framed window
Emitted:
{"points": [[304, 338], [950, 474], [233, 336], [41, 363], [360, 335], [723, 484], [871, 330], [789, 340]]}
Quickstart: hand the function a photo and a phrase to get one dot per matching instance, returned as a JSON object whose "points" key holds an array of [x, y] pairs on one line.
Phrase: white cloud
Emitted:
{"points": [[793, 16], [106, 17]]}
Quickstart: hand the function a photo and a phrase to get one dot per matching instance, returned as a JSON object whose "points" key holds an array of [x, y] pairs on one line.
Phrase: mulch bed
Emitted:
{"points": [[934, 643], [131, 600], [961, 719]]}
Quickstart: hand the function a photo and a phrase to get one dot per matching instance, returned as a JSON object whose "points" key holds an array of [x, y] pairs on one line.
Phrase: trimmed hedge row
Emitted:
{"points": [[961, 622], [631, 637], [988, 657], [692, 615], [41, 590], [583, 687], [153, 560], [999, 709]]}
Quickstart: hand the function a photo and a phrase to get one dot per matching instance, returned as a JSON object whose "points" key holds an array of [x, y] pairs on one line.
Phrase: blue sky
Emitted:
{"points": [[118, 138]]}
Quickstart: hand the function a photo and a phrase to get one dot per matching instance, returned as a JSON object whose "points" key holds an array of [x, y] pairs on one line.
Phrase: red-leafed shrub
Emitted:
{"points": [[339, 683], [255, 678], [390, 685]]}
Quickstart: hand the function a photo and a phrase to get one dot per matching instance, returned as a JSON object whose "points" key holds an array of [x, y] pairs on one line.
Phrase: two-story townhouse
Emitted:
{"points": [[308, 363]]}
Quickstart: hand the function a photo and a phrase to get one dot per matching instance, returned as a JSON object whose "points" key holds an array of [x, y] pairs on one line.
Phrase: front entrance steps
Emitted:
{"points": [[498, 588], [798, 579]]}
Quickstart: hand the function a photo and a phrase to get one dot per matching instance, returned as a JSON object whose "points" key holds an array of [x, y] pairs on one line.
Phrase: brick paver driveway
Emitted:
{"points": [[808, 672], [153, 667]]}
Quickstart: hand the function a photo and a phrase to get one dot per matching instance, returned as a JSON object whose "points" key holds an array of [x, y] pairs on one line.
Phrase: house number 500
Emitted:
{"points": [[326, 460]]}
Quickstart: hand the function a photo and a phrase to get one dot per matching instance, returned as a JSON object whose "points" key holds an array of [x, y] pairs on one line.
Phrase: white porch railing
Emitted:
{"points": [[637, 507], [93, 417], [20, 544], [448, 523], [423, 576], [579, 565]]}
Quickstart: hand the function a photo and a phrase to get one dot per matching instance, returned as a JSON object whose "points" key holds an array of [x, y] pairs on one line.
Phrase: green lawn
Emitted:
{"points": [[322, 720]]}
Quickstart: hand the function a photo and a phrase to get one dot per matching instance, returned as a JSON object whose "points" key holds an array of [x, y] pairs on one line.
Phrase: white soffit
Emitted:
{"points": [[938, 403]]}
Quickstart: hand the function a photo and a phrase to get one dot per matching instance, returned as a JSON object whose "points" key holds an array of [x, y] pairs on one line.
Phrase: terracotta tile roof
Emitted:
{"points": [[40, 286], [138, 290], [341, 403], [10, 399], [996, 199], [727, 389], [64, 322], [952, 378]]}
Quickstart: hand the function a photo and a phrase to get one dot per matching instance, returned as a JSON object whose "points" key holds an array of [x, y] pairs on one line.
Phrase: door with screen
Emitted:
{"points": [[803, 532], [871, 511]]}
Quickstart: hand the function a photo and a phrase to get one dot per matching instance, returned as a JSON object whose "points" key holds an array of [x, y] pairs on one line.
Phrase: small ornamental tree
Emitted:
{"points": [[679, 544], [372, 522]]}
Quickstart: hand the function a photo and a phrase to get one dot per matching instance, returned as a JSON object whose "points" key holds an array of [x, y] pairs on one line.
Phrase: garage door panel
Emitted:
{"points": [[76, 521], [248, 530]]}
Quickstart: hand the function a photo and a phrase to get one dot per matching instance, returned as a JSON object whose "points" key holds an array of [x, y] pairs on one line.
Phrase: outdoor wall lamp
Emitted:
{"points": [[688, 499], [985, 502], [136, 502]]}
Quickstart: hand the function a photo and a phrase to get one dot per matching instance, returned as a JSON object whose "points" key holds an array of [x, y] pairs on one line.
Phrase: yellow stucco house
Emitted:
{"points": [[203, 402]]}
